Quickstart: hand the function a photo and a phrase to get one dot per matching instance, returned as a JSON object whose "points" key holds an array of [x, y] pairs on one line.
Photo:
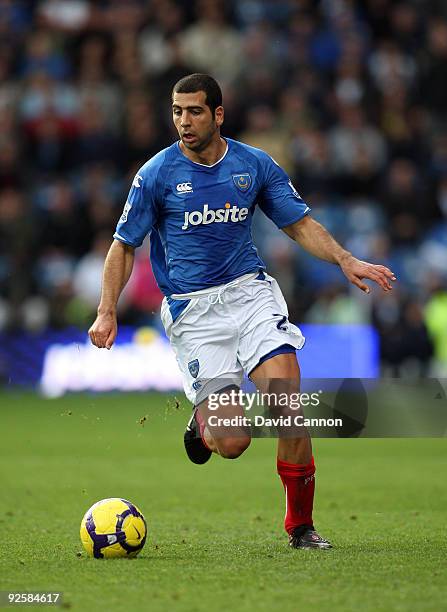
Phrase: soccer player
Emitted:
{"points": [[224, 315]]}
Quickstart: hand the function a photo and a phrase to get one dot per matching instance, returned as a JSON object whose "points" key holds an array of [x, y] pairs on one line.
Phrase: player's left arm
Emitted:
{"points": [[317, 241]]}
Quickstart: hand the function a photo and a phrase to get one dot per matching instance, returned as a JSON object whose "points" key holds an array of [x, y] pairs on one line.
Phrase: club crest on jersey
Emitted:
{"points": [[242, 181], [193, 367]]}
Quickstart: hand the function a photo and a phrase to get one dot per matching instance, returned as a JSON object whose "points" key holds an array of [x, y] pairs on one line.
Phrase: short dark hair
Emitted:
{"points": [[201, 82]]}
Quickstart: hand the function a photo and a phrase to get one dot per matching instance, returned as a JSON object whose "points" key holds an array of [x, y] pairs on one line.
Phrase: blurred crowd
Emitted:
{"points": [[349, 96]]}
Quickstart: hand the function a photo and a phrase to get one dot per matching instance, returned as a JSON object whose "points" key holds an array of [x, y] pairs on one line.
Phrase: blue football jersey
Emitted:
{"points": [[199, 217]]}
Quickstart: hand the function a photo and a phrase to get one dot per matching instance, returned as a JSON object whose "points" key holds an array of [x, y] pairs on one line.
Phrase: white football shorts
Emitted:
{"points": [[227, 330]]}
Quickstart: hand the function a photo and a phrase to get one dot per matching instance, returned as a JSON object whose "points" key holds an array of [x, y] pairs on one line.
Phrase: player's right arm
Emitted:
{"points": [[117, 270], [135, 223]]}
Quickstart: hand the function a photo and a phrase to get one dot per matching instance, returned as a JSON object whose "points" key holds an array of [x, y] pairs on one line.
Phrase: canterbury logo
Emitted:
{"points": [[184, 188], [221, 215]]}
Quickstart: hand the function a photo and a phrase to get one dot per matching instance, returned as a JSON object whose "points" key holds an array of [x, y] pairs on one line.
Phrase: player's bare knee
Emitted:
{"points": [[232, 448]]}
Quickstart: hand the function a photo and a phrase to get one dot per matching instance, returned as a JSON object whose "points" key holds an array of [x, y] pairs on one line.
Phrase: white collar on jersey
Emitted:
{"points": [[205, 165]]}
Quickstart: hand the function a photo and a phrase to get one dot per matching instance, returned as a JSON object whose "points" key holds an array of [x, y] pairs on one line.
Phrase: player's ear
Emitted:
{"points": [[219, 115]]}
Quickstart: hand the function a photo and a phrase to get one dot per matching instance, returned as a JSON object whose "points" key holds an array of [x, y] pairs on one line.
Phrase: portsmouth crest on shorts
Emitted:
{"points": [[242, 181], [193, 367]]}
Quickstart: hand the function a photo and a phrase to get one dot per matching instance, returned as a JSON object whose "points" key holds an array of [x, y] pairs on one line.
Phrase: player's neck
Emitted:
{"points": [[209, 156]]}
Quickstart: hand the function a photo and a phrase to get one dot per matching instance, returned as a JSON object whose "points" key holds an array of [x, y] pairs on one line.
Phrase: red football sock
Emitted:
{"points": [[200, 420], [299, 486]]}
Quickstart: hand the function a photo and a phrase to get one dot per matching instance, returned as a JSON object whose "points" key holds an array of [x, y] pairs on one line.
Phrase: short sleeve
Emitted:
{"points": [[140, 210], [278, 198]]}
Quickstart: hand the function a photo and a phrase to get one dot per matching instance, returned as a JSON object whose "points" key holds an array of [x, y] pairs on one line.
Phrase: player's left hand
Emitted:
{"points": [[356, 270]]}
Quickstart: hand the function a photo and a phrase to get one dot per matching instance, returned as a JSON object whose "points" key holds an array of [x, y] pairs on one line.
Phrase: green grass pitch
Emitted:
{"points": [[216, 540]]}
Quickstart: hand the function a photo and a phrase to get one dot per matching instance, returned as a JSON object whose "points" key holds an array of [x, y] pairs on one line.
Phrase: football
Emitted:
{"points": [[113, 527]]}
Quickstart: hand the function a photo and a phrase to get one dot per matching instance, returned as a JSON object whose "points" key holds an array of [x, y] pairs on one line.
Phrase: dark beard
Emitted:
{"points": [[201, 145]]}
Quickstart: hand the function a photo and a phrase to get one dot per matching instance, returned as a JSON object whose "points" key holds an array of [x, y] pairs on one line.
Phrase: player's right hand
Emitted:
{"points": [[103, 331]]}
